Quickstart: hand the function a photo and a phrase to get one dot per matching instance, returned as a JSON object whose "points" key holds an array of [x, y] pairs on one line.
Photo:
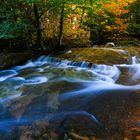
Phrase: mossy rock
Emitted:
{"points": [[99, 55]]}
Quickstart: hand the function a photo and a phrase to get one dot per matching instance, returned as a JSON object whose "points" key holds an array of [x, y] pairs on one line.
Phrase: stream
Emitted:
{"points": [[49, 97]]}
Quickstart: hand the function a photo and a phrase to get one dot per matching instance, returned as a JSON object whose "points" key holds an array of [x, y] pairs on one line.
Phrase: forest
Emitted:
{"points": [[45, 24], [70, 70]]}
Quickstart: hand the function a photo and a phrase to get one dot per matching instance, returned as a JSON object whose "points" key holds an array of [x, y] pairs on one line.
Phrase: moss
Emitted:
{"points": [[98, 55]]}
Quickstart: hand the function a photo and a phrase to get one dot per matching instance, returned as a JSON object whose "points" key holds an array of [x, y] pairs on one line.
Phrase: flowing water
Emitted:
{"points": [[86, 97]]}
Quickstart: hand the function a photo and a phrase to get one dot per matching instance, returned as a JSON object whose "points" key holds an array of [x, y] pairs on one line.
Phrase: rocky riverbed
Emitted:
{"points": [[94, 95]]}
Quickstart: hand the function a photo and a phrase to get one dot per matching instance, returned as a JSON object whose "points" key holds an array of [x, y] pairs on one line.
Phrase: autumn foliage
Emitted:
{"points": [[104, 18], [69, 22]]}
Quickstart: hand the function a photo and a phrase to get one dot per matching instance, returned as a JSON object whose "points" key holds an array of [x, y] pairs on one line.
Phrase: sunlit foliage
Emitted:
{"points": [[63, 22]]}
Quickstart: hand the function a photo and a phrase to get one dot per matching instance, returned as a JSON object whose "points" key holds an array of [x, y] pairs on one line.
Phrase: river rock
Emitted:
{"points": [[100, 55], [8, 60], [79, 122], [110, 44]]}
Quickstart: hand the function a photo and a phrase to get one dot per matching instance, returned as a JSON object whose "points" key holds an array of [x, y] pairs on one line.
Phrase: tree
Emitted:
{"points": [[21, 19], [61, 21], [134, 22], [13, 25]]}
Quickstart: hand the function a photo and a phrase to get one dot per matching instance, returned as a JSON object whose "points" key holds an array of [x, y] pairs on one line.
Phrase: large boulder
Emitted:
{"points": [[101, 55]]}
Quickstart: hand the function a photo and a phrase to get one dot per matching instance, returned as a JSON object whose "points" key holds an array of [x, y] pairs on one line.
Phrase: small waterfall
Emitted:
{"points": [[79, 64], [111, 71], [105, 72], [51, 60], [135, 60], [29, 64], [46, 59], [133, 68]]}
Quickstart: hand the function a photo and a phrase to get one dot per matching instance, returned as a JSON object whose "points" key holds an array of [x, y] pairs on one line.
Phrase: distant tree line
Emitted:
{"points": [[41, 24]]}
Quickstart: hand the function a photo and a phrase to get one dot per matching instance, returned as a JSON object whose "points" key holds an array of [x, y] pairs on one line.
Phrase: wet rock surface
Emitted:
{"points": [[8, 60], [99, 55]]}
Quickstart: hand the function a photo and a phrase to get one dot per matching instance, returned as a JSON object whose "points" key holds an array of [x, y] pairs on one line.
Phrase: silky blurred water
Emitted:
{"points": [[48, 86]]}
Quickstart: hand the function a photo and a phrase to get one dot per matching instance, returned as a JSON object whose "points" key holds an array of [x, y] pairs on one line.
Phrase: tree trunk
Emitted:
{"points": [[61, 21], [82, 17], [38, 28]]}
